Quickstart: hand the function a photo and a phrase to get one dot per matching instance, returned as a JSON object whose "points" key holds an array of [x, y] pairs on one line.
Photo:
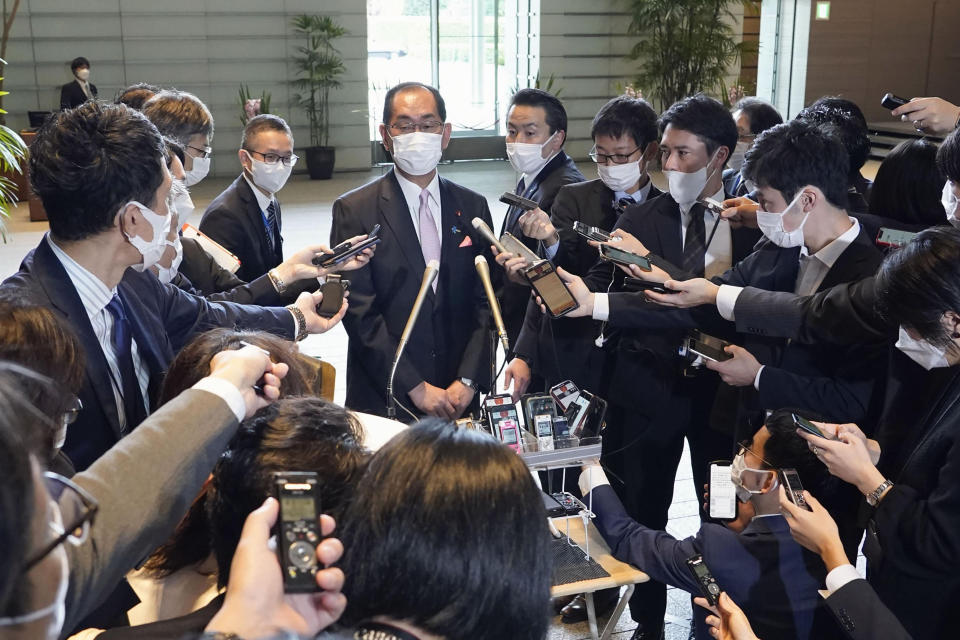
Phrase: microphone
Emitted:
{"points": [[483, 270], [487, 233], [429, 275]]}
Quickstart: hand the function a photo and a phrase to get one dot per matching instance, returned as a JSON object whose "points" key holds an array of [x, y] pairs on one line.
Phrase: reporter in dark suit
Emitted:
{"points": [[423, 217], [75, 93], [536, 131], [753, 116], [246, 217], [102, 222]]}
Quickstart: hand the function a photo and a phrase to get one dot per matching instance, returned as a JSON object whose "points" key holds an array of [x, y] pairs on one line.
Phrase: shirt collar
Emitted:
{"points": [[640, 195], [829, 254], [411, 190], [263, 200], [94, 294]]}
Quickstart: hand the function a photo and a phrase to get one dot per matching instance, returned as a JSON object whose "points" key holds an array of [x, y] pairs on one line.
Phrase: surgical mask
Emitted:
{"points": [[922, 352], [736, 158], [151, 250], [269, 177], [83, 74], [771, 224], [686, 188], [417, 153], [527, 158], [950, 204], [167, 274], [201, 167], [620, 177], [736, 472]]}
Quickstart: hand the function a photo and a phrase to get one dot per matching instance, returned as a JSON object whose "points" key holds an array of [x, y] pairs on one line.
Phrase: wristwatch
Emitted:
{"points": [[467, 382], [300, 321], [873, 498]]}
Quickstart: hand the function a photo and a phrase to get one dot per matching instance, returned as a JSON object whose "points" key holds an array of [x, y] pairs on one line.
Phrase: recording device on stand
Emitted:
{"points": [[698, 347], [504, 420], [591, 233], [429, 275], [513, 200], [539, 413], [570, 504], [723, 493], [333, 291], [487, 233], [471, 423], [891, 101], [564, 394], [483, 270], [344, 251], [790, 480], [709, 588], [583, 412], [298, 529], [551, 289]]}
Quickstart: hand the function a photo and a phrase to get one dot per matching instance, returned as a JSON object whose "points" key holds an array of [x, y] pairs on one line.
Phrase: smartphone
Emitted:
{"points": [[509, 433], [333, 291], [709, 588], [591, 233], [707, 347], [894, 238], [514, 200], [639, 284], [809, 427], [551, 289], [891, 101], [539, 411], [513, 245], [343, 252], [723, 493], [790, 480], [626, 258], [564, 394], [504, 420], [585, 415], [298, 529], [570, 503]]}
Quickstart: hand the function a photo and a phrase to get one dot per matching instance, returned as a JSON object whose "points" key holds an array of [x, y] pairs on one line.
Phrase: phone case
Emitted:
{"points": [[513, 245]]}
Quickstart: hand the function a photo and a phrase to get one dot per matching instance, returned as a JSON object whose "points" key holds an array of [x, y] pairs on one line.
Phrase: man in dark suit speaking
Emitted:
{"points": [[422, 217], [75, 93]]}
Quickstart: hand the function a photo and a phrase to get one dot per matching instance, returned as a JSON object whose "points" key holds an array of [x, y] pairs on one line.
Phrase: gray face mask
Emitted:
{"points": [[736, 472]]}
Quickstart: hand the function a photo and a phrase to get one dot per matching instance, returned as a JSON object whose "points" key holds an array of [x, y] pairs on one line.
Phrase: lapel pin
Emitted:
{"points": [[454, 229]]}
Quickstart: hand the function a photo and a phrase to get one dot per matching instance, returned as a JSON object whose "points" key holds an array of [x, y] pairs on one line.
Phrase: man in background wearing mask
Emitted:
{"points": [[753, 116], [183, 117], [75, 93], [536, 131], [245, 218], [422, 218]]}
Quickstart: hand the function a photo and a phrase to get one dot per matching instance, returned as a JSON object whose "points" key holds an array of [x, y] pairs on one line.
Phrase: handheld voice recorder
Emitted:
{"points": [[298, 529]]}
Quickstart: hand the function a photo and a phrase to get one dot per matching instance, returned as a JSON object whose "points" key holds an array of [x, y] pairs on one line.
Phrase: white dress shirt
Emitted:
{"points": [[411, 193], [95, 297]]}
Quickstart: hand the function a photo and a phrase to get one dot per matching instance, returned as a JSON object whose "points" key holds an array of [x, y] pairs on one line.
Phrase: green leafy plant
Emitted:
{"points": [[684, 46], [13, 151], [9, 15], [251, 106], [320, 66]]}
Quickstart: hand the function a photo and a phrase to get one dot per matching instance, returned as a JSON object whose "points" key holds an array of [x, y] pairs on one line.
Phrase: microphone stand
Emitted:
{"points": [[429, 275]]}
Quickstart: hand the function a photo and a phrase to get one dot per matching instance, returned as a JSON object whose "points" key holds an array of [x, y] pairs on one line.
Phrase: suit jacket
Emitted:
{"points": [[862, 615], [72, 95], [773, 579], [514, 297], [144, 485], [162, 318], [734, 183], [234, 219], [451, 337], [200, 275], [172, 629]]}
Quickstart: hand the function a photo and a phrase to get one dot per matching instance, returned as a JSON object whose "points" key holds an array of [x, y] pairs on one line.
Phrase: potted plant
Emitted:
{"points": [[250, 106], [13, 153], [319, 66]]}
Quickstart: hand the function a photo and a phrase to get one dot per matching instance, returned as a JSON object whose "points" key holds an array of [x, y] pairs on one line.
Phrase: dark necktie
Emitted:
{"points": [[695, 243], [621, 205], [133, 405], [514, 213], [272, 223]]}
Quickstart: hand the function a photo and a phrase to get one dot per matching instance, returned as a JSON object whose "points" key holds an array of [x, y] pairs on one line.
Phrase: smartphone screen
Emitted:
{"points": [[564, 393], [619, 255], [548, 285], [723, 493], [508, 431]]}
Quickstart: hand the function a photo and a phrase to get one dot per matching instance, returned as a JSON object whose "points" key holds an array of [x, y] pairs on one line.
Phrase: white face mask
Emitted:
{"points": [[417, 153], [201, 167], [686, 188], [83, 74], [151, 250], [922, 352], [166, 274], [527, 158], [736, 475], [771, 224], [736, 158], [620, 177], [269, 177], [950, 204]]}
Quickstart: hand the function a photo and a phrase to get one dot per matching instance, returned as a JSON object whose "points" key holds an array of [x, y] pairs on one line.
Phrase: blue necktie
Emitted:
{"points": [[133, 405], [272, 223]]}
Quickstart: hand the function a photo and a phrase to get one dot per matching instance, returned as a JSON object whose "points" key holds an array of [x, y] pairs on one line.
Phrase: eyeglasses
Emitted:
{"points": [[744, 446], [615, 158], [274, 158], [746, 137], [73, 410], [74, 513], [430, 126], [203, 151]]}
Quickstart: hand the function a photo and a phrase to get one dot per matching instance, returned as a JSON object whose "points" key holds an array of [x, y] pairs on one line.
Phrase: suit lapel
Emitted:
{"points": [[859, 260], [63, 296], [396, 214], [255, 216], [667, 223]]}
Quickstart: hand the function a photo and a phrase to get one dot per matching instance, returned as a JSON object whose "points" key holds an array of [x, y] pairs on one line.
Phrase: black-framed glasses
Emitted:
{"points": [[607, 158], [203, 151], [746, 137], [274, 158], [74, 513], [743, 446], [73, 410], [429, 126]]}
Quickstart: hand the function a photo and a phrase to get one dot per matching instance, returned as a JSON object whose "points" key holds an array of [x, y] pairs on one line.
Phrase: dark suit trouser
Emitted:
{"points": [[643, 447]]}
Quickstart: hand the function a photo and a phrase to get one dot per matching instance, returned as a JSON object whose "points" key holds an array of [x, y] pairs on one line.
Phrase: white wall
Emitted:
{"points": [[207, 47]]}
